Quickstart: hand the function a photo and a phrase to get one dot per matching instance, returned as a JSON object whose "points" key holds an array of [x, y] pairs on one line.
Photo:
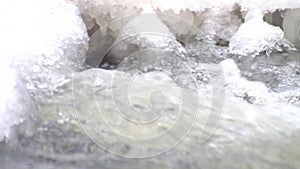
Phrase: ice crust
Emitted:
{"points": [[255, 36]]}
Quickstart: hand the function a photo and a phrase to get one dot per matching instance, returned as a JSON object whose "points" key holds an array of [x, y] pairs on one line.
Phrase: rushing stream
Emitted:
{"points": [[153, 97]]}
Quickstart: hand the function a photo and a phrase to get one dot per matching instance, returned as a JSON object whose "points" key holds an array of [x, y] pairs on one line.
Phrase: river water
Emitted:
{"points": [[108, 118]]}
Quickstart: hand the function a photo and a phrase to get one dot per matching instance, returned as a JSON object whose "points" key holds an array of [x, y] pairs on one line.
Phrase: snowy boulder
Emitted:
{"points": [[43, 40], [278, 13], [256, 36]]}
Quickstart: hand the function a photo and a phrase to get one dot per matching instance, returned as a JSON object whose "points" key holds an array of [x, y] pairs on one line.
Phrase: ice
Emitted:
{"points": [[144, 45], [15, 102], [43, 40], [143, 32]]}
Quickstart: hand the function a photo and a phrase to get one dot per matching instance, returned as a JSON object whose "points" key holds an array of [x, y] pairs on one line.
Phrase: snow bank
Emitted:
{"points": [[255, 36], [42, 40]]}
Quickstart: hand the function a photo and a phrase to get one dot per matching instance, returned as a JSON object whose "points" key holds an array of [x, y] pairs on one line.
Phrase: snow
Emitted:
{"points": [[255, 36], [47, 36], [41, 42]]}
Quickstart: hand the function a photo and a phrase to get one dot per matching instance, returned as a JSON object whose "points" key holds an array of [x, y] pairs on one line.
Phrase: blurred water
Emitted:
{"points": [[257, 136]]}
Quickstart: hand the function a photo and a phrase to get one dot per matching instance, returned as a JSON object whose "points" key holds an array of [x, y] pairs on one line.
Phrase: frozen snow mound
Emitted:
{"points": [[15, 102], [43, 40], [256, 36]]}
